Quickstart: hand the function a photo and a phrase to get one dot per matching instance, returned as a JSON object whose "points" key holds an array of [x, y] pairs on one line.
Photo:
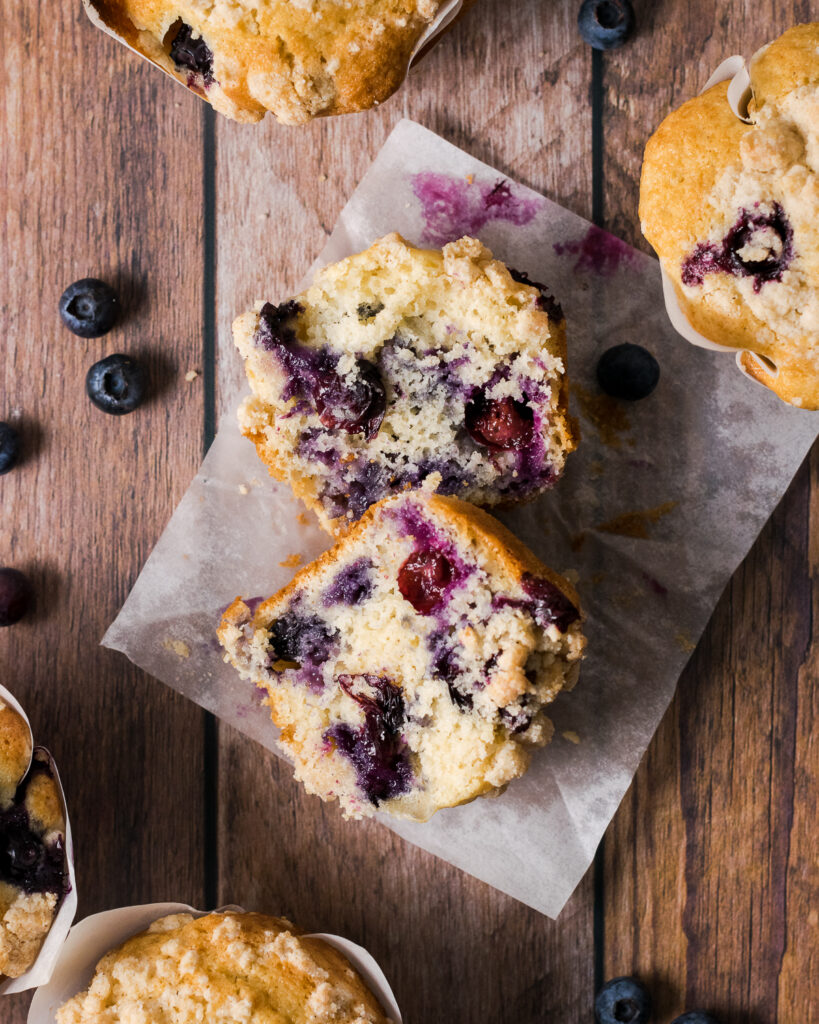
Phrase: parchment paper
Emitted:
{"points": [[658, 506], [96, 935], [40, 970]]}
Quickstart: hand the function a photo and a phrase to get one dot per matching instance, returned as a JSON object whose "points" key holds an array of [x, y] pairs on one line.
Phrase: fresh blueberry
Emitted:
{"points": [[89, 307], [116, 384], [499, 423], [424, 578], [15, 596], [695, 1017], [193, 54], [9, 447], [605, 24], [628, 371], [622, 1001]]}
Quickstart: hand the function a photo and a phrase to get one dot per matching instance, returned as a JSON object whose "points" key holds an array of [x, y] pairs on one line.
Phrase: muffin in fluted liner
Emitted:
{"points": [[171, 964], [731, 204], [298, 59], [37, 887]]}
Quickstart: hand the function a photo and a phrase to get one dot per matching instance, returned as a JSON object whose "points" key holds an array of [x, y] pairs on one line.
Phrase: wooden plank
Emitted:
{"points": [[710, 875], [455, 949], [102, 176]]}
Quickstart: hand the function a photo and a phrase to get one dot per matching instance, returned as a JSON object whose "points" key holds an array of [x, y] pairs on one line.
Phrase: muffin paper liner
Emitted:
{"points": [[656, 509], [739, 94], [93, 937], [447, 13], [40, 970]]}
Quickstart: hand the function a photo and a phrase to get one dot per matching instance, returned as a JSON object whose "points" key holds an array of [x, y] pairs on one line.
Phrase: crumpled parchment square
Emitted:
{"points": [[657, 508]]}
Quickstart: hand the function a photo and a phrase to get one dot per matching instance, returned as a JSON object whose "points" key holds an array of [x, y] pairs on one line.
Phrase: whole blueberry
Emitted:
{"points": [[628, 371], [116, 384], [89, 307], [605, 24], [695, 1017], [15, 596], [622, 1001], [9, 447]]}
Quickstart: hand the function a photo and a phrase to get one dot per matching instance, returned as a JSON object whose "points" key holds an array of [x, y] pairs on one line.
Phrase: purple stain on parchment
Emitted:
{"points": [[598, 252], [453, 206]]}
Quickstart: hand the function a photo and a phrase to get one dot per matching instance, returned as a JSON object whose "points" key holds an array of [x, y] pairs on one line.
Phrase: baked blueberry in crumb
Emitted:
{"points": [[116, 384], [759, 245], [605, 24], [301, 639], [376, 750], [423, 579], [25, 860], [622, 1001], [193, 54], [354, 405], [15, 596], [352, 586], [499, 423], [545, 301], [369, 310], [628, 371], [89, 308], [9, 447]]}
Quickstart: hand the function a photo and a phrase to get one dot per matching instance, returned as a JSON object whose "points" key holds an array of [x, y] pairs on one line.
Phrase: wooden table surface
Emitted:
{"points": [[706, 882]]}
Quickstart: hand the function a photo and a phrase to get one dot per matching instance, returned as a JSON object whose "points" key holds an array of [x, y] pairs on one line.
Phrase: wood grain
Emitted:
{"points": [[709, 869], [707, 881], [102, 176]]}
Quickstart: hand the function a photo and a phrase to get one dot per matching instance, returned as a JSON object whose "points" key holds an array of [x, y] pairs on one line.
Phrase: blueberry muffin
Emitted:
{"points": [[223, 968], [404, 367], [299, 59], [733, 212], [33, 878], [408, 668]]}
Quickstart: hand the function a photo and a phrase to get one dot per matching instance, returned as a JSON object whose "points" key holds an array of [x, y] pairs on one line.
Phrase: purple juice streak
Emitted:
{"points": [[376, 749], [546, 603], [708, 258], [598, 252], [453, 207], [352, 586]]}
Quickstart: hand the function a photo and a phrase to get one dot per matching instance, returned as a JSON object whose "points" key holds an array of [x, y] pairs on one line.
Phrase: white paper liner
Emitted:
{"points": [[94, 936], [707, 456], [739, 95], [40, 970], [446, 14]]}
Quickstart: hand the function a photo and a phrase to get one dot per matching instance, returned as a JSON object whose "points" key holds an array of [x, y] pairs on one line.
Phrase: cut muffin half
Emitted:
{"points": [[404, 367], [409, 667]]}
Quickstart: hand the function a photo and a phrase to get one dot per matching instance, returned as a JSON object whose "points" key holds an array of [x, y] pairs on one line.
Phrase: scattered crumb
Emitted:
{"points": [[291, 562], [255, 482], [179, 647], [598, 578], [684, 642], [186, 557], [265, 215], [636, 524], [572, 575], [577, 540], [322, 177], [302, 518], [596, 469], [470, 178], [244, 489], [571, 736], [191, 375], [606, 415], [813, 918]]}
